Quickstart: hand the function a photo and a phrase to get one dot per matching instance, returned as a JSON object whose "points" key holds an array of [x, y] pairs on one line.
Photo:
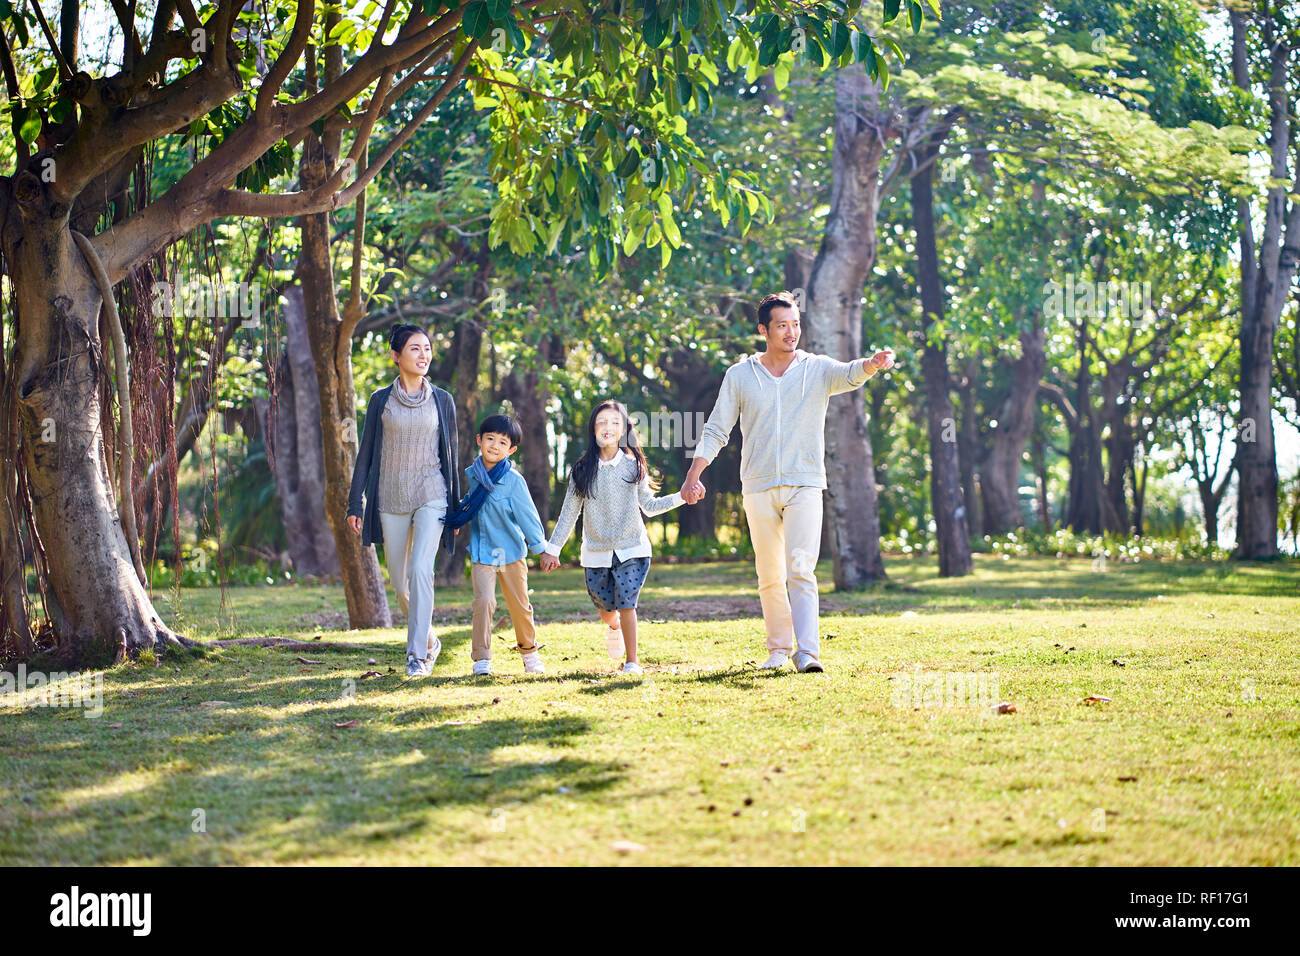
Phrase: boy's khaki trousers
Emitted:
{"points": [[514, 585], [785, 526]]}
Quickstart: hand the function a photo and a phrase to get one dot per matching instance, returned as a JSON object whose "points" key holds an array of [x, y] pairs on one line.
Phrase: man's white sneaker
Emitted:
{"points": [[483, 668], [431, 657], [807, 664], [614, 642], [415, 667], [776, 660], [533, 663], [632, 667]]}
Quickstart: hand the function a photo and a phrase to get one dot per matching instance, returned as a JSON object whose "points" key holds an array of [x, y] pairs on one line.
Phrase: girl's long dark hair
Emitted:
{"points": [[583, 474]]}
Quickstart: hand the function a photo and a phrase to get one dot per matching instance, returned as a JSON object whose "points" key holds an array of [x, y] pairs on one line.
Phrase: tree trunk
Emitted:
{"points": [[363, 584], [834, 326], [968, 450], [1001, 473], [469, 404], [98, 605], [694, 383], [1265, 289], [528, 395], [946, 498], [1039, 455], [297, 459]]}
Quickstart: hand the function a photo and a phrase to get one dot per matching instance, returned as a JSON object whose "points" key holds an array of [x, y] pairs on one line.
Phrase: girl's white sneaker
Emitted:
{"points": [[632, 667], [483, 668], [533, 663], [614, 642]]}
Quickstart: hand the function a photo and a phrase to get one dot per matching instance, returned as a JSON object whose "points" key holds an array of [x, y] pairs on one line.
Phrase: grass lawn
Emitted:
{"points": [[1194, 760]]}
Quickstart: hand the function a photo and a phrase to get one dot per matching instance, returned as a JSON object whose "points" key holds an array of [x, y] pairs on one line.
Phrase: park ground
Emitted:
{"points": [[273, 755]]}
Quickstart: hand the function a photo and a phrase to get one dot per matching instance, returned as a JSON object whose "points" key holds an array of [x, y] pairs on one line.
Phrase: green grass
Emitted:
{"points": [[1195, 760]]}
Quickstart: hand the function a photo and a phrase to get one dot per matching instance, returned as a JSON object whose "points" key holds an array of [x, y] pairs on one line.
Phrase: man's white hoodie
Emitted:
{"points": [[782, 420]]}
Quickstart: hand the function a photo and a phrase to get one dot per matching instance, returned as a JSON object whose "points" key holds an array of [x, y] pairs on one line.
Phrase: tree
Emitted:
{"points": [[1264, 55]]}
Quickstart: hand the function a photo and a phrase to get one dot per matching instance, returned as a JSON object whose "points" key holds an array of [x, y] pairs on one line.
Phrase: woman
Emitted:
{"points": [[406, 467]]}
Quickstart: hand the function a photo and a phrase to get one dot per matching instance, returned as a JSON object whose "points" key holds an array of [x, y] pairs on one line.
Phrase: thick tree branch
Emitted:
{"points": [[285, 61]]}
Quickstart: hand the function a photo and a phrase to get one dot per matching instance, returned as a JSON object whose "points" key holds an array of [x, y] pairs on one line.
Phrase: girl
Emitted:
{"points": [[407, 469], [609, 482]]}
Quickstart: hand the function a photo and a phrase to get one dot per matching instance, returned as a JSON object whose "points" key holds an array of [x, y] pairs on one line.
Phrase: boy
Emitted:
{"points": [[504, 526]]}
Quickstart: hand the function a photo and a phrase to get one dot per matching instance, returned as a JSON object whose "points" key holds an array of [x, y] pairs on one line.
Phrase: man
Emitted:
{"points": [[780, 396]]}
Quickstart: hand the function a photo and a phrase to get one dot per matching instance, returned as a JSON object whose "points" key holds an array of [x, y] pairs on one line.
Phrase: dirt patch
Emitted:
{"points": [[652, 609]]}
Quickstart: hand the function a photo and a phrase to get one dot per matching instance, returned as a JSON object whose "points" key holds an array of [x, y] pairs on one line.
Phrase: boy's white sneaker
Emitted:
{"points": [[533, 663], [483, 668], [632, 667], [775, 661], [614, 642], [415, 667]]}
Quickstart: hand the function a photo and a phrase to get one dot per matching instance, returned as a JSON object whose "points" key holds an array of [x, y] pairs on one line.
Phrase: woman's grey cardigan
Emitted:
{"points": [[365, 474]]}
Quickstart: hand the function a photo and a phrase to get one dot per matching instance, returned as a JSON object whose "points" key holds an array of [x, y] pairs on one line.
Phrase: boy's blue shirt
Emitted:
{"points": [[508, 525]]}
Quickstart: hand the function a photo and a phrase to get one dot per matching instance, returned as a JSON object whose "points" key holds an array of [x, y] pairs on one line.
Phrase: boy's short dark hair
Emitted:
{"points": [[502, 425], [777, 300]]}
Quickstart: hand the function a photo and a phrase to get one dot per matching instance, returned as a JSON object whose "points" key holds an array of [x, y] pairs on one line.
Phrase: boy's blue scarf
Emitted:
{"points": [[487, 480]]}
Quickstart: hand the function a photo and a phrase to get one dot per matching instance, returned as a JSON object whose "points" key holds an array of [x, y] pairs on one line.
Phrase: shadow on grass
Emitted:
{"points": [[276, 778]]}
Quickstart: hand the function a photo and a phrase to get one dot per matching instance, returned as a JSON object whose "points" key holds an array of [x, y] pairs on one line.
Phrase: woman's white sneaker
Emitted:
{"points": [[533, 663], [632, 667], [483, 668]]}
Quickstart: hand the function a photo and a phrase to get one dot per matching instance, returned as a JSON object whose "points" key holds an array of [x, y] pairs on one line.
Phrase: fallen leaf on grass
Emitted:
{"points": [[347, 723], [303, 660], [370, 674], [1117, 662], [626, 846], [114, 726], [213, 704], [1094, 699], [1004, 707]]}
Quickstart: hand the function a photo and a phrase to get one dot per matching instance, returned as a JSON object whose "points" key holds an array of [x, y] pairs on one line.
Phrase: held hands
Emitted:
{"points": [[550, 562], [354, 522], [692, 491]]}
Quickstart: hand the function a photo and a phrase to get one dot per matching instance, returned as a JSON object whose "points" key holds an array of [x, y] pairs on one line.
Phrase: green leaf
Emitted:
{"points": [[498, 8], [476, 19], [839, 39], [45, 77], [683, 89], [5, 9], [654, 32], [431, 7], [814, 52], [934, 5], [632, 240], [863, 51], [891, 9], [29, 123], [914, 15], [630, 164], [61, 109], [690, 13]]}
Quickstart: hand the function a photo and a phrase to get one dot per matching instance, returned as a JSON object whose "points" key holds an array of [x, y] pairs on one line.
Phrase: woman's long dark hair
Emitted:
{"points": [[583, 474]]}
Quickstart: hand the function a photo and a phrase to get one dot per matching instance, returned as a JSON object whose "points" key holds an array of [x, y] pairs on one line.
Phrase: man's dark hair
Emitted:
{"points": [[777, 300], [401, 332], [502, 425]]}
